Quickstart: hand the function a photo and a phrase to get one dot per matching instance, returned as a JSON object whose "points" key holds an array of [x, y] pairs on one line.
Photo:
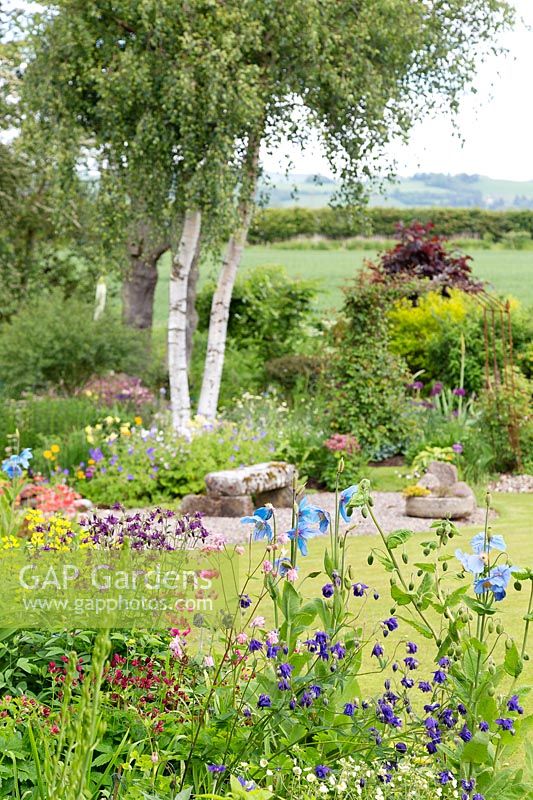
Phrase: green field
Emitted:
{"points": [[509, 272]]}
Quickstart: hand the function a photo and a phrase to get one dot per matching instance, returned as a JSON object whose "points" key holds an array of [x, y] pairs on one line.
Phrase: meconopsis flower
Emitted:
{"points": [[260, 522], [480, 543], [471, 562], [311, 521], [15, 465], [345, 497], [496, 581]]}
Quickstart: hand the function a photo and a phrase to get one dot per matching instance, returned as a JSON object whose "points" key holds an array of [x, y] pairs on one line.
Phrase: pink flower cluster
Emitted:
{"points": [[117, 386], [343, 443]]}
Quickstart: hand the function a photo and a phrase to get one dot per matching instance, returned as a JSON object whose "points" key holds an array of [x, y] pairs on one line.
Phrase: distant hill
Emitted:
{"points": [[422, 189]]}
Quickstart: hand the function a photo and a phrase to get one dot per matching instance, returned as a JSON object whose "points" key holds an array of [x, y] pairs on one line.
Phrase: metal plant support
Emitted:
{"points": [[497, 328]]}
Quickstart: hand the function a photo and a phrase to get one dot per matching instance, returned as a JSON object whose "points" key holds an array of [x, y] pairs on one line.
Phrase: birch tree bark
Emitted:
{"points": [[218, 321], [180, 401]]}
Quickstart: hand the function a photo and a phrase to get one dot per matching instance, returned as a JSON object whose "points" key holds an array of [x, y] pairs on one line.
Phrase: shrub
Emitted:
{"points": [[366, 380], [268, 311], [54, 341], [428, 336], [280, 224], [422, 256]]}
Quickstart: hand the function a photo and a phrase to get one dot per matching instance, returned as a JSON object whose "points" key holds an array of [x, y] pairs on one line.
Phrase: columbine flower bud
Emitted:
{"points": [[340, 468]]}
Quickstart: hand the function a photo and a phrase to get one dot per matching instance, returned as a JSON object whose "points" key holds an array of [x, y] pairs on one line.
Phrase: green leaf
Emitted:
{"points": [[476, 751], [425, 567], [396, 538], [400, 597], [513, 663], [290, 601], [422, 629], [478, 607]]}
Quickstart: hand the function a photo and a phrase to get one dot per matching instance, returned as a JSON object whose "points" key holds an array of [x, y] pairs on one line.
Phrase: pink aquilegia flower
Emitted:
{"points": [[292, 575], [258, 622]]}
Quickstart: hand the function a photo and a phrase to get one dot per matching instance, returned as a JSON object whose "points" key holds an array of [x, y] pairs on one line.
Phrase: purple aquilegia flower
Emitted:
{"points": [[260, 522], [96, 454], [411, 647], [465, 734], [401, 747], [424, 686], [439, 676], [328, 590], [506, 724], [264, 701], [216, 768], [377, 650], [349, 709], [483, 726], [390, 624], [514, 705], [245, 601], [359, 589], [322, 771]]}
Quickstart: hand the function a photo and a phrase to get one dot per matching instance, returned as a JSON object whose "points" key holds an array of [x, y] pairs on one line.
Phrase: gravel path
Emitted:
{"points": [[513, 483], [389, 508]]}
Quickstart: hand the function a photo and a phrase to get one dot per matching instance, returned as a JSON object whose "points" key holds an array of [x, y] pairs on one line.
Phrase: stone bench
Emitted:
{"points": [[236, 492]]}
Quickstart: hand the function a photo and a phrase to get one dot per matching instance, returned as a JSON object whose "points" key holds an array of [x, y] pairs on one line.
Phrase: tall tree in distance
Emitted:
{"points": [[357, 75]]}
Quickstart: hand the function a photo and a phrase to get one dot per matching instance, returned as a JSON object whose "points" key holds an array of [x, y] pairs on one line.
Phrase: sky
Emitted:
{"points": [[495, 124]]}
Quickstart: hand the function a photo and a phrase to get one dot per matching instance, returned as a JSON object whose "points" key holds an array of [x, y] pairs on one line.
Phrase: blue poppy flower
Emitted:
{"points": [[496, 581], [345, 497], [471, 562], [493, 543], [260, 522], [15, 465], [301, 534]]}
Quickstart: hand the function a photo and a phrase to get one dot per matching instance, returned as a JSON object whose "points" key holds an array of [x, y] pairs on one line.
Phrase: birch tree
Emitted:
{"points": [[356, 75], [160, 93]]}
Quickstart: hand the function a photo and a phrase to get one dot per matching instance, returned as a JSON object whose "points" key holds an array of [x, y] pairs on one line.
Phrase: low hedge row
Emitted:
{"points": [[279, 224]]}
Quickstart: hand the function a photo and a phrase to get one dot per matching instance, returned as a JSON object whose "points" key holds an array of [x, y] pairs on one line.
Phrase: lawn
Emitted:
{"points": [[507, 271]]}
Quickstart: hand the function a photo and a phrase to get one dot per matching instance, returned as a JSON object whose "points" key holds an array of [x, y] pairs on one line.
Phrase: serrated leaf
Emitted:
{"points": [[396, 538], [422, 629], [400, 597]]}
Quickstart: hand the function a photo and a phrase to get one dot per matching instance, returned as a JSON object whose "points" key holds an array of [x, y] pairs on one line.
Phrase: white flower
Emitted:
{"points": [[263, 763], [297, 770], [323, 788], [311, 778]]}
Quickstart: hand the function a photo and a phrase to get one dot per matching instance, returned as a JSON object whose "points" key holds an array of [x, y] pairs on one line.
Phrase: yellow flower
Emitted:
{"points": [[49, 455], [124, 430], [98, 427], [55, 448], [138, 420], [109, 420], [10, 542], [80, 474], [91, 461]]}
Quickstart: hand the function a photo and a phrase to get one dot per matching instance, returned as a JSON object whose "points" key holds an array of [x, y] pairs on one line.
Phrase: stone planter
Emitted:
{"points": [[432, 507]]}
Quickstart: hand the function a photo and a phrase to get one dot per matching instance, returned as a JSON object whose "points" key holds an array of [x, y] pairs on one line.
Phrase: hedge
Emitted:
{"points": [[280, 224]]}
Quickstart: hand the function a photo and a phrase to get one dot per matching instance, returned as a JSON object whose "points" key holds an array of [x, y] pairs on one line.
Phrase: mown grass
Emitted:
{"points": [[509, 272]]}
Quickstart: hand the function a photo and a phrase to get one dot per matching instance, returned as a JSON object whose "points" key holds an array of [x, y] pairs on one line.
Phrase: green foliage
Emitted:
{"points": [[428, 336], [506, 424], [366, 380], [54, 342], [281, 224], [423, 459], [144, 467], [268, 310]]}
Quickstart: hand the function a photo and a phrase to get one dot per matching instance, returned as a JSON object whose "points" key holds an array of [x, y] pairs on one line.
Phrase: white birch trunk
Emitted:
{"points": [[218, 321], [180, 401]]}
